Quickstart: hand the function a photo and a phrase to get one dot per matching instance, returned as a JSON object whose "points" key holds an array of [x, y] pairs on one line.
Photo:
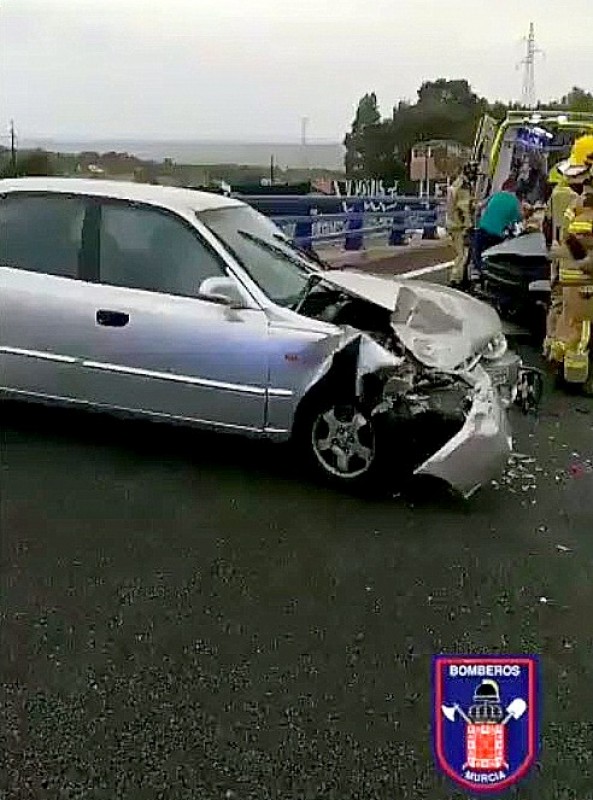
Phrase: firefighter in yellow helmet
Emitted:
{"points": [[570, 345], [460, 220], [561, 199], [562, 196]]}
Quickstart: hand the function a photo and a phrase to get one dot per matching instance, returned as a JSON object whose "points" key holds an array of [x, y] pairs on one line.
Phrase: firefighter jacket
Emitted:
{"points": [[575, 279], [575, 251], [460, 208], [561, 199]]}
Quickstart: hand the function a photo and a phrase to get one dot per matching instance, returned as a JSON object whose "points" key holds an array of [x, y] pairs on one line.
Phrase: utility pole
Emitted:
{"points": [[528, 94], [304, 126], [13, 147], [272, 170]]}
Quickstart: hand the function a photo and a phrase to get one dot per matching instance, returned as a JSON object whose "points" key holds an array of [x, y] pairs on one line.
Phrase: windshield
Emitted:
{"points": [[280, 270]]}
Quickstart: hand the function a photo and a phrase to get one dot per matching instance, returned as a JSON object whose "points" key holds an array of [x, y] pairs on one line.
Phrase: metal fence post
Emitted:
{"points": [[354, 223], [397, 234], [303, 233], [429, 227]]}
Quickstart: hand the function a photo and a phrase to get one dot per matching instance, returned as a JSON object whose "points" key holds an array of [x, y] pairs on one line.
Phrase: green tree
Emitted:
{"points": [[379, 149], [446, 109], [367, 115], [578, 100], [442, 91]]}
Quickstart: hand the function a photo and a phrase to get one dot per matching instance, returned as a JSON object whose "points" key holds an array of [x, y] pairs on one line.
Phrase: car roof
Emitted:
{"points": [[169, 197]]}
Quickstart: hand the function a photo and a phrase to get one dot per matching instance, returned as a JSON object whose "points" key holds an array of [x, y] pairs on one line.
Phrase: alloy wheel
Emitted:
{"points": [[344, 442]]}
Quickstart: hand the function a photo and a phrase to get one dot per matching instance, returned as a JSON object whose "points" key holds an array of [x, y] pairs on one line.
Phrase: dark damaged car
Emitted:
{"points": [[516, 280], [194, 308]]}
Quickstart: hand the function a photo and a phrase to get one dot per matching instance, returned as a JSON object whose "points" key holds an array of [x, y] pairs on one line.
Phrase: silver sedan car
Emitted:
{"points": [[191, 307]]}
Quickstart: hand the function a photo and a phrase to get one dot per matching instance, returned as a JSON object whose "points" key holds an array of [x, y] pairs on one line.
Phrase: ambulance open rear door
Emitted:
{"points": [[482, 154]]}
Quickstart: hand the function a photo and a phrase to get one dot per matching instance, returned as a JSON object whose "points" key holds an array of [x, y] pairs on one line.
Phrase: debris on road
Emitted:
{"points": [[520, 474]]}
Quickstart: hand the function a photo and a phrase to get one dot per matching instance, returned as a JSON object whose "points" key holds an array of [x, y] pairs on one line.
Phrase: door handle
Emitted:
{"points": [[112, 319]]}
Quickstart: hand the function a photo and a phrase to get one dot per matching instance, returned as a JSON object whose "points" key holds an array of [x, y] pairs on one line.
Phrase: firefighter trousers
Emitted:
{"points": [[461, 247], [554, 313]]}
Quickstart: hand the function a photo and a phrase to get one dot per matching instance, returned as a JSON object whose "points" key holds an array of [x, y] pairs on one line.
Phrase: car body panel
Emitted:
{"points": [[442, 327], [299, 359], [527, 245], [516, 280], [177, 356], [41, 320], [482, 447]]}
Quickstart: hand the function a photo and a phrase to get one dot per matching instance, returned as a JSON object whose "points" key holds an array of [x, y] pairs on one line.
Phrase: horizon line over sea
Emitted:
{"points": [[314, 154]]}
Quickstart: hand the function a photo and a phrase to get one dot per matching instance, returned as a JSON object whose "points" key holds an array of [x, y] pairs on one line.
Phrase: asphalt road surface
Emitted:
{"points": [[185, 616]]}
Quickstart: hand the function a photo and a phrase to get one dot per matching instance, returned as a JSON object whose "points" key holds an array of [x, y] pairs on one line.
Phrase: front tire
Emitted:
{"points": [[343, 442], [342, 445]]}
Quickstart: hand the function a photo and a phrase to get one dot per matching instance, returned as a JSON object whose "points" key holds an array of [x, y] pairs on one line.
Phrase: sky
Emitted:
{"points": [[250, 70]]}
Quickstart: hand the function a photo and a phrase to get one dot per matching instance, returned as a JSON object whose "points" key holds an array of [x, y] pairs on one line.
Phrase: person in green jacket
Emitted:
{"points": [[502, 212]]}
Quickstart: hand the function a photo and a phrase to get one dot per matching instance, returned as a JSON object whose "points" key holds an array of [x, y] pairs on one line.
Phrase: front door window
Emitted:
{"points": [[143, 248]]}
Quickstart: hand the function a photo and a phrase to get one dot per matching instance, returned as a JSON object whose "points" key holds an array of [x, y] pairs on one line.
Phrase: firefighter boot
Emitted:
{"points": [[576, 360]]}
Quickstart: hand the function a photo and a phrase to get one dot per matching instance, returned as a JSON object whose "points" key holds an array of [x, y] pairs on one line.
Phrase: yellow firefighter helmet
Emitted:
{"points": [[580, 163]]}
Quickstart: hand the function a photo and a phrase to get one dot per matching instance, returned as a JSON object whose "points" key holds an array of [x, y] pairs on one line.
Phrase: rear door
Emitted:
{"points": [[44, 260], [482, 151]]}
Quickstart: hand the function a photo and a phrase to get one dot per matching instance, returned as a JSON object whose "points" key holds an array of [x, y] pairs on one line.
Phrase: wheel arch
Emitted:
{"points": [[339, 376]]}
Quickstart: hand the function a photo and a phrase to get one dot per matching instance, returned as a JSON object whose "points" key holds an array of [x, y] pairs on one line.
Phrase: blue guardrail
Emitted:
{"points": [[312, 220]]}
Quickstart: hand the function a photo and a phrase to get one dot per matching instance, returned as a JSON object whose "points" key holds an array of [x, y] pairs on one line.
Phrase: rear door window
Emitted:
{"points": [[42, 233]]}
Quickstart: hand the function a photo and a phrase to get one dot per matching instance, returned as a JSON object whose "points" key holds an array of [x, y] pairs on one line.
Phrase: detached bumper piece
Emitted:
{"points": [[451, 428], [480, 450]]}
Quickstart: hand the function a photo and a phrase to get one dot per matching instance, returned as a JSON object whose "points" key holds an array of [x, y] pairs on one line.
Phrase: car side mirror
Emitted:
{"points": [[223, 290]]}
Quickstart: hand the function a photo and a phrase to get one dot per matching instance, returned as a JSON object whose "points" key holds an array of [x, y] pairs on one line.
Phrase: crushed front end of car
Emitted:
{"points": [[433, 370], [449, 426]]}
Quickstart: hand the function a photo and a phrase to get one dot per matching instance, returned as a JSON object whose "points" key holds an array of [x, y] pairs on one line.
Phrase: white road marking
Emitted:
{"points": [[416, 273]]}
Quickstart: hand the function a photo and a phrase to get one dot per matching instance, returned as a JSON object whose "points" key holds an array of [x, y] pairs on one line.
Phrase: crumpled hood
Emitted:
{"points": [[440, 326]]}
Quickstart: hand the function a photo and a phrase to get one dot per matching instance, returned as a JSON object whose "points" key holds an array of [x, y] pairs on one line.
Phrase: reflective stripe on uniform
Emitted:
{"points": [[580, 228], [572, 275]]}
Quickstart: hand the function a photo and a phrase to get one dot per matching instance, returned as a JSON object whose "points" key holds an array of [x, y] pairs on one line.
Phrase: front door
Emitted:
{"points": [[43, 264], [151, 344]]}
